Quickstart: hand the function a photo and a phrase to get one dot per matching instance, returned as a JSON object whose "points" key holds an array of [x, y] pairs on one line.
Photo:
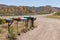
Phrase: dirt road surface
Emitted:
{"points": [[47, 29]]}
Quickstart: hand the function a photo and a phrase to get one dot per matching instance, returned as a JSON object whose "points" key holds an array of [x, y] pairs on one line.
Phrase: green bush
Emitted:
{"points": [[12, 34], [2, 21]]}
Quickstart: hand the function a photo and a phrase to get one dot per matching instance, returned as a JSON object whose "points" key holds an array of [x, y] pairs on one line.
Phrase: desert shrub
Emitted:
{"points": [[12, 34], [2, 21], [24, 30], [44, 13], [57, 14], [1, 30], [31, 28]]}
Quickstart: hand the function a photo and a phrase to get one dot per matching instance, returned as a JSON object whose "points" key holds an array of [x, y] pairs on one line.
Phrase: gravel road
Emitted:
{"points": [[47, 29]]}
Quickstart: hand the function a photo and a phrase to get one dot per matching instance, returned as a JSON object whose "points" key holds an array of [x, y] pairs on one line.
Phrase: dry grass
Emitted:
{"points": [[4, 29], [54, 16]]}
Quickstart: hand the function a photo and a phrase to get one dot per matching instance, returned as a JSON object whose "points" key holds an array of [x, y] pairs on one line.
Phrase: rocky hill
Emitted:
{"points": [[26, 10]]}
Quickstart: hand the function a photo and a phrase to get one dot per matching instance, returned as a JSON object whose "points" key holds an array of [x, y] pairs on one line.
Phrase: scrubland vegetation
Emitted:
{"points": [[13, 30], [56, 15]]}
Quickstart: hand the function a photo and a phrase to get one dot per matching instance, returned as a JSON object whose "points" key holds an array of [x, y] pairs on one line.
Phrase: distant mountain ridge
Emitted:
{"points": [[3, 5], [23, 10]]}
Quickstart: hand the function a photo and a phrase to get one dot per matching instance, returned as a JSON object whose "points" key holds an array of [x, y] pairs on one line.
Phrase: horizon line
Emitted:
{"points": [[28, 5]]}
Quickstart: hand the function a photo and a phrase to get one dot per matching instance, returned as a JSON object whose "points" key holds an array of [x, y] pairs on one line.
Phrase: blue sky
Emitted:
{"points": [[36, 3]]}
